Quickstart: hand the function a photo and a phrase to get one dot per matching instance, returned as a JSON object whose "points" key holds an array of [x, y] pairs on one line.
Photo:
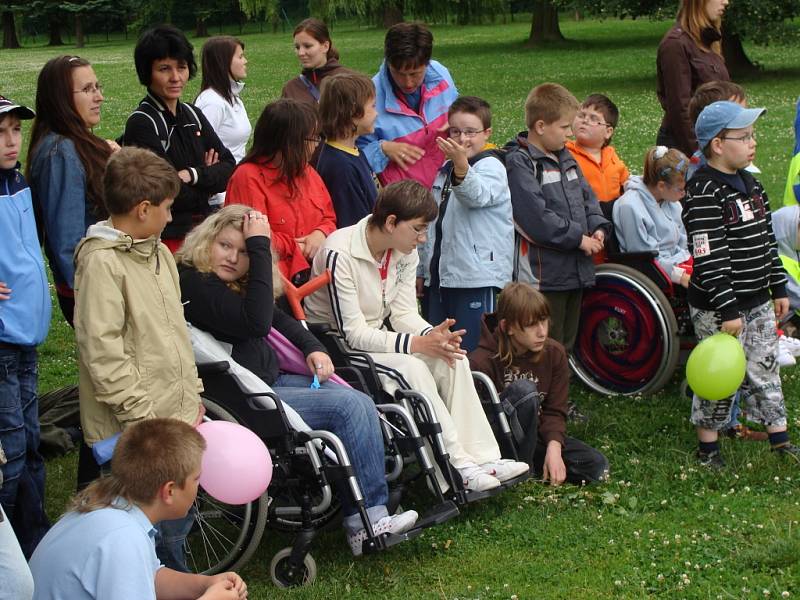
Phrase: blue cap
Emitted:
{"points": [[723, 115]]}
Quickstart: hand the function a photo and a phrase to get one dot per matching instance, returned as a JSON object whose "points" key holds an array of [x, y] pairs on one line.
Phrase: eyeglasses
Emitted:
{"points": [[314, 139], [420, 230], [90, 89], [591, 119], [467, 133], [746, 138]]}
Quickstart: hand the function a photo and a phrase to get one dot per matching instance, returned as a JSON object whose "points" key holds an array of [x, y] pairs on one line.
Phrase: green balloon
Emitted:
{"points": [[716, 367]]}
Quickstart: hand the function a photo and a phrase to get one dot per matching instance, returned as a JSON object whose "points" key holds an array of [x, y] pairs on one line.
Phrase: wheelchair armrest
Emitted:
{"points": [[319, 329], [212, 368], [631, 257]]}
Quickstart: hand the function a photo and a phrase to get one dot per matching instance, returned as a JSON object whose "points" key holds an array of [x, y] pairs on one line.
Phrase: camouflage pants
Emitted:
{"points": [[761, 392]]}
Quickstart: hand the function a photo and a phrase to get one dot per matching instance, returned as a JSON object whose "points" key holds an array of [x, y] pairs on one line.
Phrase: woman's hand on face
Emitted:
{"points": [[255, 224], [114, 146], [320, 365], [311, 243], [402, 154]]}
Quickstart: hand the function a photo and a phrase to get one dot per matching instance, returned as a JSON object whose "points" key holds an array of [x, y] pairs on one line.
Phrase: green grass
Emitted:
{"points": [[660, 527]]}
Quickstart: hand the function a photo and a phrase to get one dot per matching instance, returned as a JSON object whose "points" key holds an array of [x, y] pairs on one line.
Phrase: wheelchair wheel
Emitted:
{"points": [[284, 576], [224, 536], [627, 339]]}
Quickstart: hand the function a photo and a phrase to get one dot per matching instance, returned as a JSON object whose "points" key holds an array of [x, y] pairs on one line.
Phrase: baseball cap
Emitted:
{"points": [[7, 105], [723, 115]]}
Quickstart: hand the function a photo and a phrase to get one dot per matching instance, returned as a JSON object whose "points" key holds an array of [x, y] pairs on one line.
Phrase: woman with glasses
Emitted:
{"points": [[689, 55], [276, 179], [372, 303], [66, 162], [175, 130]]}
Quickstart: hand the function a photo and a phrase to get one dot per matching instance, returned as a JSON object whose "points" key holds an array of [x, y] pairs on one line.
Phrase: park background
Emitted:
{"points": [[660, 527]]}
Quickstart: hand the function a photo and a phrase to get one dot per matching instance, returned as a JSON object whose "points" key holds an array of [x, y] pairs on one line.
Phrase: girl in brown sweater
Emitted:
{"points": [[515, 352]]}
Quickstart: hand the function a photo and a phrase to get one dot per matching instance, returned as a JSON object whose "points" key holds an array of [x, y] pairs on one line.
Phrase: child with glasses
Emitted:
{"points": [[593, 128], [647, 217], [467, 258], [738, 285]]}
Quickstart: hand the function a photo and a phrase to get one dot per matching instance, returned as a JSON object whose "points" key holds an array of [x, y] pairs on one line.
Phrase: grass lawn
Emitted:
{"points": [[660, 527]]}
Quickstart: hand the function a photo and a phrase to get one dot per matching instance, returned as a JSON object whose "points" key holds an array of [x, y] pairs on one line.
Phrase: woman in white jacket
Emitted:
{"points": [[224, 68]]}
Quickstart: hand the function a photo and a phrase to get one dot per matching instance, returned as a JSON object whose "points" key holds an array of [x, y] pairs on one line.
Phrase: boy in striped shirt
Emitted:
{"points": [[738, 285]]}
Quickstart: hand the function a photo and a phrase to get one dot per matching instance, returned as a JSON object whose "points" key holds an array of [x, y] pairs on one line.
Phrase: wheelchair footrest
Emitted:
{"points": [[387, 540], [469, 496], [512, 482], [437, 515]]}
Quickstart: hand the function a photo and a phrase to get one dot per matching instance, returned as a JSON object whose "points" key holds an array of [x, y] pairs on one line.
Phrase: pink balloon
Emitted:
{"points": [[236, 466]]}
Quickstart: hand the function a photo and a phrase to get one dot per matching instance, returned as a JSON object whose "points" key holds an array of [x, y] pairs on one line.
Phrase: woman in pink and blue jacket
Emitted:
{"points": [[413, 94]]}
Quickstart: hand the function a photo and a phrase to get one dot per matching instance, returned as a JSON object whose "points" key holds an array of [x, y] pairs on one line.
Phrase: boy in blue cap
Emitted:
{"points": [[24, 321], [738, 285]]}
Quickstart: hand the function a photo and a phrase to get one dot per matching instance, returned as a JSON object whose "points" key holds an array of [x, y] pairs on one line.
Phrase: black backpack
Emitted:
{"points": [[520, 402]]}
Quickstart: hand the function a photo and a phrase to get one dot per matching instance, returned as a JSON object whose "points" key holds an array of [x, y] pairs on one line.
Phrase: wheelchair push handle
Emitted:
{"points": [[295, 295]]}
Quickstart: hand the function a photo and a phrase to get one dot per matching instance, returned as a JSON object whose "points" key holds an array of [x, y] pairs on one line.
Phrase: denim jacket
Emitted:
{"points": [[477, 229], [58, 183], [25, 316]]}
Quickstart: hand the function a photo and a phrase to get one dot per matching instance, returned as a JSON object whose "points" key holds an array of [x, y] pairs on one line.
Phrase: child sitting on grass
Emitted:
{"points": [[135, 359], [593, 128], [519, 357], [738, 285], [347, 111], [467, 258], [103, 548]]}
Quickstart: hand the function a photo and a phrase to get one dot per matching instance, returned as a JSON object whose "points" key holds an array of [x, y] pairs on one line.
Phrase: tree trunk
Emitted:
{"points": [[80, 42], [736, 58], [10, 39], [544, 24], [54, 27], [201, 28], [392, 13]]}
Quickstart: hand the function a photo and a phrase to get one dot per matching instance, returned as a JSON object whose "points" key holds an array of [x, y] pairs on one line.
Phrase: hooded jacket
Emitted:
{"points": [[553, 207], [134, 355], [25, 316], [785, 223], [298, 89], [397, 122], [642, 224], [550, 372]]}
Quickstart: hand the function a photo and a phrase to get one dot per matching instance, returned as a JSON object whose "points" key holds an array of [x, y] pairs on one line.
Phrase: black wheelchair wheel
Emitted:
{"points": [[224, 536], [628, 337]]}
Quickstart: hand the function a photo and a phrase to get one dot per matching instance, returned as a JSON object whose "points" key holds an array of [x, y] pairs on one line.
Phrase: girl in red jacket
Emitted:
{"points": [[521, 360], [275, 178]]}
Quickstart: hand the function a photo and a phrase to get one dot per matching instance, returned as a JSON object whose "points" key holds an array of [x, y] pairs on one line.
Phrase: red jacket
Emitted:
{"points": [[290, 215]]}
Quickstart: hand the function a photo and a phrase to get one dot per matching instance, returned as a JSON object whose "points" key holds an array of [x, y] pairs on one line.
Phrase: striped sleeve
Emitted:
{"points": [[348, 313], [705, 229]]}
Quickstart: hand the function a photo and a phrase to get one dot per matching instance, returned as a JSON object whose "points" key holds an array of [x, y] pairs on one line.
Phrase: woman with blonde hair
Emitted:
{"points": [[227, 286], [689, 55]]}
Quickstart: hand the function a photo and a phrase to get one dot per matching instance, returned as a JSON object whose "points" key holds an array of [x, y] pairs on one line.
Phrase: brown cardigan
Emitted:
{"points": [[682, 66], [297, 89]]}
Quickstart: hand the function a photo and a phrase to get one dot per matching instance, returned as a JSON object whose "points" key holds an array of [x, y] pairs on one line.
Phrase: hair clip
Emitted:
{"points": [[660, 152]]}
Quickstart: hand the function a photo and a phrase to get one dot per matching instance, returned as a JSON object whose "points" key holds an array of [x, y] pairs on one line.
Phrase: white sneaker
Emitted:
{"points": [[476, 479], [505, 468], [397, 523], [785, 358], [790, 344]]}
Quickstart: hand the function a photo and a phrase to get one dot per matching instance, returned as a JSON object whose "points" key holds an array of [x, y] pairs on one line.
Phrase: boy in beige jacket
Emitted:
{"points": [[134, 353]]}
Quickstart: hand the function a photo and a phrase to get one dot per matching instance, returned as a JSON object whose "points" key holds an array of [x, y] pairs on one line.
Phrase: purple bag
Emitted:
{"points": [[290, 359]]}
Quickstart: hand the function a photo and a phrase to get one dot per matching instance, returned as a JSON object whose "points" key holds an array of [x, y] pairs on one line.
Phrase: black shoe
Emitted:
{"points": [[788, 450], [574, 415], [712, 460]]}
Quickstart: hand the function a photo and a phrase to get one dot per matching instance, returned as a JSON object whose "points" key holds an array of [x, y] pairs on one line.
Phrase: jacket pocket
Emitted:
{"points": [[705, 69]]}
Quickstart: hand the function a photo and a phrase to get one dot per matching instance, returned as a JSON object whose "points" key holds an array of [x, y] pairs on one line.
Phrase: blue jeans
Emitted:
{"points": [[352, 416], [22, 493], [171, 541], [466, 305]]}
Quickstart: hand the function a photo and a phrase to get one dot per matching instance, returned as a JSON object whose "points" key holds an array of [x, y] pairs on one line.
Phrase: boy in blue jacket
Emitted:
{"points": [[466, 260], [24, 321]]}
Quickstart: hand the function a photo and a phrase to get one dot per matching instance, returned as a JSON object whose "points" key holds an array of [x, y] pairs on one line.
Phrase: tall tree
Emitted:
{"points": [[10, 39], [544, 23]]}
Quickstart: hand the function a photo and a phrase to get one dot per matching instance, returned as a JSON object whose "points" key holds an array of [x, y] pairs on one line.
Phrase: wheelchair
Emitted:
{"points": [[634, 326], [307, 464]]}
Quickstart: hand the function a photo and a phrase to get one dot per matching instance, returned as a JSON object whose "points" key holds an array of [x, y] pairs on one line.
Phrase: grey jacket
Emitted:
{"points": [[642, 223], [477, 229], [553, 208]]}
